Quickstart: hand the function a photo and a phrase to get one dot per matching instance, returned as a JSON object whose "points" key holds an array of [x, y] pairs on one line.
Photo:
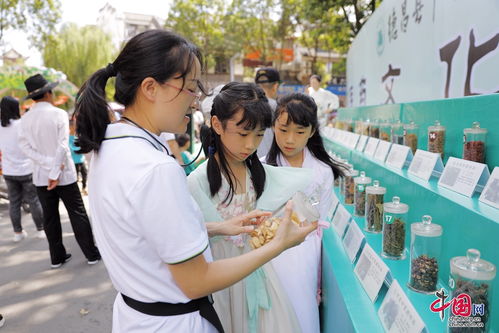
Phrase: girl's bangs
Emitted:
{"points": [[299, 114], [256, 114]]}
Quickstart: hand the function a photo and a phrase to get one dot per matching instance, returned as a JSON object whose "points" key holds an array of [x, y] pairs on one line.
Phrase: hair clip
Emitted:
{"points": [[212, 150]]}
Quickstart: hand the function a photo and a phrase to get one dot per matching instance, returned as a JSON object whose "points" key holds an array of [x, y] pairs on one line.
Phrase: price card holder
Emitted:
{"points": [[362, 143], [332, 209], [382, 150], [424, 165], [490, 194], [399, 156], [353, 240], [352, 141], [372, 144], [397, 314], [464, 177], [371, 272], [340, 220]]}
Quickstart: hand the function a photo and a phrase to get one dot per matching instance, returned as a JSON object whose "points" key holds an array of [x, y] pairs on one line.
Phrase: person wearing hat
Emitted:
{"points": [[269, 80], [44, 138]]}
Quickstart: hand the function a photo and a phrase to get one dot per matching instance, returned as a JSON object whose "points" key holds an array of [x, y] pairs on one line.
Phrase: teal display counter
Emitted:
{"points": [[467, 222]]}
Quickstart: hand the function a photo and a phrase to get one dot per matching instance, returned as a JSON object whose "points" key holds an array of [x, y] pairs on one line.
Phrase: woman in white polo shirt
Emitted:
{"points": [[149, 230]]}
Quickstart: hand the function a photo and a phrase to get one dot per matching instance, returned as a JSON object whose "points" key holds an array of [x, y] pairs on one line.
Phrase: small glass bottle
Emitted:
{"points": [[398, 133], [436, 138], [374, 130], [411, 136], [394, 222], [426, 242], [374, 207], [361, 183], [349, 186], [472, 276], [474, 143], [366, 128], [385, 131]]}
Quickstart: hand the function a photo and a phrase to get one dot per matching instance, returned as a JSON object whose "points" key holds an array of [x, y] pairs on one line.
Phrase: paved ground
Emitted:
{"points": [[37, 299]]}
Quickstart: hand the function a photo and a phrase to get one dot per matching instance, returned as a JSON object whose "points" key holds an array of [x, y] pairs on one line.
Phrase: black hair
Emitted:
{"points": [[182, 139], [317, 77], [159, 54], [40, 96], [302, 110], [232, 98], [204, 136], [9, 110]]}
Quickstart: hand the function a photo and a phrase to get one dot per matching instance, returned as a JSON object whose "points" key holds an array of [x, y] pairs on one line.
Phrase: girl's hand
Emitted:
{"points": [[243, 223], [289, 234]]}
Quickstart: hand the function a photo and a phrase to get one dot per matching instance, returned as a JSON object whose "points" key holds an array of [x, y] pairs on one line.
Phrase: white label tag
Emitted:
{"points": [[425, 164], [397, 314], [382, 150], [490, 194], [352, 140], [371, 146], [464, 176], [362, 143], [353, 240], [371, 272], [399, 156], [340, 220], [332, 209]]}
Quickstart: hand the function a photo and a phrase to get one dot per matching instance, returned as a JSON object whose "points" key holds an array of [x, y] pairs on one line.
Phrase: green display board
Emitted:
{"points": [[467, 222]]}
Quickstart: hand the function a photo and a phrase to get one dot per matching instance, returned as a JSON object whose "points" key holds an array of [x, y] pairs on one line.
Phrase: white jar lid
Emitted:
{"points": [[362, 179], [436, 127], [475, 129], [395, 206], [426, 228], [472, 267], [375, 189]]}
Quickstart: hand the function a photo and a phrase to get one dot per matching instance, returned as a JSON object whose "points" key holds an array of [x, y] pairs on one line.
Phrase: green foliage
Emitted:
{"points": [[78, 52]]}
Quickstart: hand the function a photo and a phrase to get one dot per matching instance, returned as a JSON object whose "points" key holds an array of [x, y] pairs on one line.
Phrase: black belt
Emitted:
{"points": [[204, 305]]}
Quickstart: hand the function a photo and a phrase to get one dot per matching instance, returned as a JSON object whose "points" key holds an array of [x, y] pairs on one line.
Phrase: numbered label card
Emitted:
{"points": [[353, 240], [399, 156], [490, 194], [341, 219], [464, 177], [362, 143], [382, 150], [352, 140], [371, 272], [372, 144], [397, 314], [425, 164], [332, 209]]}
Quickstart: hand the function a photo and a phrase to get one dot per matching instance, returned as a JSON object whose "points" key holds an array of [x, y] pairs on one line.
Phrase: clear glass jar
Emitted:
{"points": [[349, 186], [361, 183], [394, 222], [359, 126], [398, 133], [348, 125], [436, 138], [411, 136], [385, 131], [426, 239], [366, 128], [474, 143], [374, 207], [374, 130], [472, 276]]}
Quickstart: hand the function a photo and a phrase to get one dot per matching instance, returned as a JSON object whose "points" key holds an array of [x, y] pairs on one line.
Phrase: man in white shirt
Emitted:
{"points": [[269, 80], [44, 137], [326, 101]]}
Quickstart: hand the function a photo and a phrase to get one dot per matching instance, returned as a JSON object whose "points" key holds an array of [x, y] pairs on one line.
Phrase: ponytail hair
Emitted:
{"points": [[9, 110], [159, 54], [234, 97], [302, 110]]}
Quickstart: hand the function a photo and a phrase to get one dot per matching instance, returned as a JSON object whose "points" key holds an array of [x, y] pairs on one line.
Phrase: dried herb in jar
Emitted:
{"points": [[398, 139], [394, 238], [436, 142], [349, 190], [384, 136], [374, 211], [424, 273], [411, 140], [374, 132], [474, 151], [479, 293], [360, 200]]}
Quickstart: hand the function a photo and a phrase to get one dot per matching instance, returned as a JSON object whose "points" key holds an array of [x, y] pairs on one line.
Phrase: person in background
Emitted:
{"points": [[269, 80], [171, 144], [184, 142], [78, 159], [326, 101], [17, 171]]}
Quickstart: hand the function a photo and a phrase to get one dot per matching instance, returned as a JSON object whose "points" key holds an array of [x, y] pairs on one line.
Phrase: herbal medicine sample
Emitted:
{"points": [[361, 183], [426, 242], [374, 130], [472, 276], [397, 135], [366, 127], [385, 131], [411, 136], [436, 139], [394, 222], [474, 143], [374, 207], [349, 186]]}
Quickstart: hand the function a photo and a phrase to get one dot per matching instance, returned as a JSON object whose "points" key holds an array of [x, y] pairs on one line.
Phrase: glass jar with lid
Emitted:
{"points": [[361, 183], [348, 125], [394, 222], [474, 143], [374, 207], [411, 136], [374, 129], [366, 127], [474, 277], [426, 242], [349, 186], [385, 130], [436, 139], [359, 126], [397, 135]]}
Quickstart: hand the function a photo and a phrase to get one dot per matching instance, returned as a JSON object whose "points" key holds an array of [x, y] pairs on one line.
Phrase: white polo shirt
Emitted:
{"points": [[144, 218], [14, 161]]}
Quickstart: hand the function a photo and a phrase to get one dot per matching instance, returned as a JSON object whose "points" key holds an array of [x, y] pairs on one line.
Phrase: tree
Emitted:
{"points": [[37, 17], [78, 52], [355, 12]]}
